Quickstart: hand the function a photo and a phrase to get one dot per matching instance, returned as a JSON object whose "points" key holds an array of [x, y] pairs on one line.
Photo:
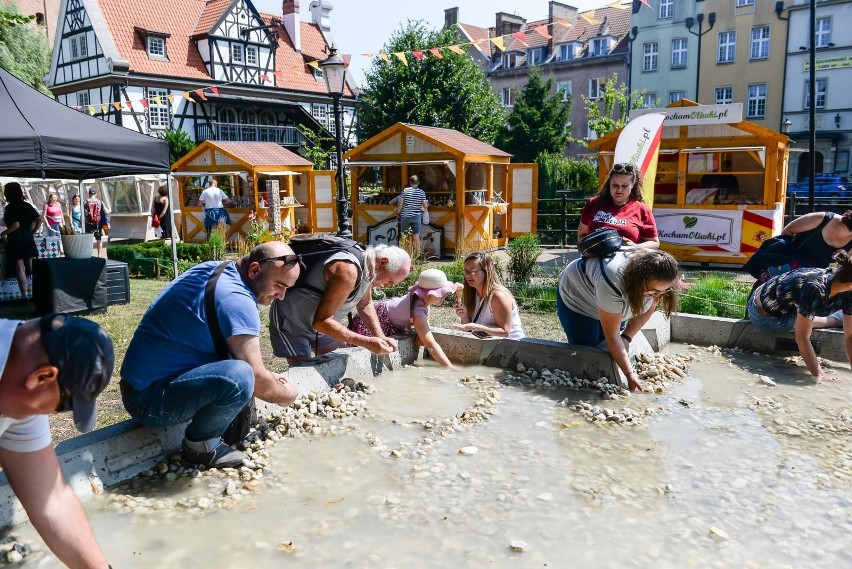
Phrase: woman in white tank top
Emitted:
{"points": [[486, 305]]}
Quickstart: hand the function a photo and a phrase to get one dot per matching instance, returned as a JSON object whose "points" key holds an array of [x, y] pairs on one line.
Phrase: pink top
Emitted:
{"points": [[399, 310], [633, 220], [53, 214]]}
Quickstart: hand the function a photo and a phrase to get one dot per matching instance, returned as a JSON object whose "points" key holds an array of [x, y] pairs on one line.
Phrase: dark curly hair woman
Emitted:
{"points": [[22, 221]]}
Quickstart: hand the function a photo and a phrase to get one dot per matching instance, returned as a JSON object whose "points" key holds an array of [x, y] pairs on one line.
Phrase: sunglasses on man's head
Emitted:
{"points": [[288, 260], [623, 168]]}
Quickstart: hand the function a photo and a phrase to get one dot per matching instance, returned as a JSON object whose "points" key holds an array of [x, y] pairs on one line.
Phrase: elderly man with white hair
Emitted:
{"points": [[309, 318]]}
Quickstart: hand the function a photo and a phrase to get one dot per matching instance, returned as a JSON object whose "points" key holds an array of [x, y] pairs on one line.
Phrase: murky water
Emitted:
{"points": [[728, 472]]}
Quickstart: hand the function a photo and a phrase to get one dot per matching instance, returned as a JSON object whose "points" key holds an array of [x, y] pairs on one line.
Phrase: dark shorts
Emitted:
{"points": [[410, 223], [95, 230]]}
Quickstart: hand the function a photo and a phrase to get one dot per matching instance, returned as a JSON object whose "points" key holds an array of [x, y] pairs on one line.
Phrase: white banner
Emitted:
{"points": [[700, 227], [701, 114]]}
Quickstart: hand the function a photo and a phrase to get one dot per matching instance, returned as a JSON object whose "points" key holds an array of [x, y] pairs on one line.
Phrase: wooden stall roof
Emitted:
{"points": [[743, 129], [252, 156], [390, 144]]}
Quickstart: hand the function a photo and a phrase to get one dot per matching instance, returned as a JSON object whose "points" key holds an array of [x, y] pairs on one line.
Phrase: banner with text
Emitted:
{"points": [[699, 114], [719, 230]]}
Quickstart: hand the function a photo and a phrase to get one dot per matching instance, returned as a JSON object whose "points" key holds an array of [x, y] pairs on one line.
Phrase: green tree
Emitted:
{"points": [[317, 146], [450, 92], [179, 143], [24, 51], [538, 122], [558, 172], [609, 112]]}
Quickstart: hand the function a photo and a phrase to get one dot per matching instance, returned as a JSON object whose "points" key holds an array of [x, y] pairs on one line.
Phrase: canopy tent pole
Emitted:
{"points": [[171, 222]]}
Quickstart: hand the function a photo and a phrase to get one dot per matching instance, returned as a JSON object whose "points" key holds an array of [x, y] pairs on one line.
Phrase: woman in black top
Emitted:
{"points": [[160, 208], [22, 220], [828, 233], [803, 299]]}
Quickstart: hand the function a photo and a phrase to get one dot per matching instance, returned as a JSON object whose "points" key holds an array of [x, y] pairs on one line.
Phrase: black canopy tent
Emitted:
{"points": [[41, 138]]}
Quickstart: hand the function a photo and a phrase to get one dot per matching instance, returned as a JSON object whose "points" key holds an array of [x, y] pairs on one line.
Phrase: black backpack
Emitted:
{"points": [[315, 248]]}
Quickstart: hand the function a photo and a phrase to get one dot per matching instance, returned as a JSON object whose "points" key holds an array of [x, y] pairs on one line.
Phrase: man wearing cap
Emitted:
{"points": [[51, 364], [173, 371], [96, 217]]}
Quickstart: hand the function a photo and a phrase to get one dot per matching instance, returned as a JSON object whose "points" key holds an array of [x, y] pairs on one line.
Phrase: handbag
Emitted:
{"points": [[777, 254], [155, 221], [424, 217], [600, 243]]}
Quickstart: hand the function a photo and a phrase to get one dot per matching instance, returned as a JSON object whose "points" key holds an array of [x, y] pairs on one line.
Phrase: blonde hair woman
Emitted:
{"points": [[486, 306]]}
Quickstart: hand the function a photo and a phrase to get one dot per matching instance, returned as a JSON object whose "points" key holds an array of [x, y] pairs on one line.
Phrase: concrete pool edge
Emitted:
{"points": [[113, 454]]}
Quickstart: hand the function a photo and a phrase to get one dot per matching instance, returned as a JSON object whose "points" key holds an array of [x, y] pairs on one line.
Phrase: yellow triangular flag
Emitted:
{"points": [[367, 54], [498, 41], [103, 108], [590, 20], [617, 4], [186, 96], [383, 56], [400, 55], [157, 100], [117, 105], [314, 64], [455, 49], [565, 23], [92, 110], [171, 99]]}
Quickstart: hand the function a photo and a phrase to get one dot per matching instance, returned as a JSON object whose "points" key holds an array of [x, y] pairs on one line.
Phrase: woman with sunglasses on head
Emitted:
{"points": [[801, 300], [610, 299], [619, 206], [485, 305]]}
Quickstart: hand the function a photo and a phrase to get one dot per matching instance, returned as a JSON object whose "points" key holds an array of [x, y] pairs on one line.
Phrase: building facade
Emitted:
{"points": [[45, 14], [219, 69]]}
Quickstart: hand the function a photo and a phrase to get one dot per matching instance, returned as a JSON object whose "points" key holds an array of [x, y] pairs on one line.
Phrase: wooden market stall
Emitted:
{"points": [[259, 177], [477, 199], [720, 184]]}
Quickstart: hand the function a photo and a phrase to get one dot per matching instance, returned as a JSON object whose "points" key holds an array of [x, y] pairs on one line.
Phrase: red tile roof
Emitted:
{"points": [[211, 14], [262, 153], [459, 141]]}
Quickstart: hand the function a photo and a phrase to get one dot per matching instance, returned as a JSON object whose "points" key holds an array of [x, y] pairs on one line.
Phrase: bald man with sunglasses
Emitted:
{"points": [[175, 369]]}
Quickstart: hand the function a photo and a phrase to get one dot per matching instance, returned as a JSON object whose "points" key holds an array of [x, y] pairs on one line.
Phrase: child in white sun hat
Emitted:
{"points": [[398, 315]]}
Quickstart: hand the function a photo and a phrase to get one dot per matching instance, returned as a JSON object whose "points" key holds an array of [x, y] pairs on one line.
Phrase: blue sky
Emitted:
{"points": [[360, 26]]}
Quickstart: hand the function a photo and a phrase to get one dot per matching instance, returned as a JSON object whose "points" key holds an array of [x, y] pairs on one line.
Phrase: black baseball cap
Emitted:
{"points": [[92, 191], [83, 353]]}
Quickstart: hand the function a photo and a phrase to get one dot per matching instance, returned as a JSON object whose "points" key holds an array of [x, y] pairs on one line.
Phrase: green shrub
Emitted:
{"points": [[523, 254], [716, 295]]}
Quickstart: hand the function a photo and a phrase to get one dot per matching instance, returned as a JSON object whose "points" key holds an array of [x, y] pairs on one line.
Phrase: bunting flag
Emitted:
{"points": [[645, 2], [216, 89], [200, 93], [347, 59], [367, 55], [158, 100], [171, 99], [436, 52], [77, 107], [542, 31], [383, 56], [145, 102], [104, 108], [279, 77], [566, 23], [591, 20], [521, 37], [498, 41], [418, 54], [117, 105], [400, 55], [314, 63], [129, 105], [456, 49], [92, 110], [263, 77], [619, 5], [185, 95]]}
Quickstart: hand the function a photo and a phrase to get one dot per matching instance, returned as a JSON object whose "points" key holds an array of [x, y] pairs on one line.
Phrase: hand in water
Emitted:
{"points": [[381, 346]]}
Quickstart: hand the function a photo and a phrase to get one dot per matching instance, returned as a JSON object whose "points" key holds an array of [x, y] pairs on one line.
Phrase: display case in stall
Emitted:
{"points": [[720, 184], [262, 178], [477, 199]]}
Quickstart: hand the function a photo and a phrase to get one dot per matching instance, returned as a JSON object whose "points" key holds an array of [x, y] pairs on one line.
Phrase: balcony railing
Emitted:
{"points": [[285, 135]]}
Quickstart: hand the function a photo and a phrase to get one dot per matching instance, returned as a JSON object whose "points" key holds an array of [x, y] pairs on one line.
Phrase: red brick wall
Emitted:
{"points": [[49, 8]]}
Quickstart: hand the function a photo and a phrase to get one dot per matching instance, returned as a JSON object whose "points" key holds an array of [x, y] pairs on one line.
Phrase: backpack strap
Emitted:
{"points": [[212, 318], [478, 312], [582, 267]]}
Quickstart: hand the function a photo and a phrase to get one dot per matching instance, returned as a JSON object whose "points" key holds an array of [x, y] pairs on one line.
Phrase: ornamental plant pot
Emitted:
{"points": [[78, 246]]}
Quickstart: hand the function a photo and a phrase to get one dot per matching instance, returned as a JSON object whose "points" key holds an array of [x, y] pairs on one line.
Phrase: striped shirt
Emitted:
{"points": [[412, 202]]}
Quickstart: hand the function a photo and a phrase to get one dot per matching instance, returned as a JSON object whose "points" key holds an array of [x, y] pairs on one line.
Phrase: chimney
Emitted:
{"points": [[291, 23], [320, 14], [451, 17], [559, 11]]}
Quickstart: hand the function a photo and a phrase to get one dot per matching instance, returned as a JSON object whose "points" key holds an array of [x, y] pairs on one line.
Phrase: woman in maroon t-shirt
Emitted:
{"points": [[619, 206]]}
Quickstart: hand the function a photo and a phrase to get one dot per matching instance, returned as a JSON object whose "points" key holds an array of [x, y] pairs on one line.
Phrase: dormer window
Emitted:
{"points": [[318, 74], [510, 60], [566, 52], [600, 46], [535, 56], [156, 47]]}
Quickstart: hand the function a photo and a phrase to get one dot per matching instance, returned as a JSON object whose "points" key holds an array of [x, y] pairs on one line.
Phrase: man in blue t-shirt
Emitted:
{"points": [[172, 372]]}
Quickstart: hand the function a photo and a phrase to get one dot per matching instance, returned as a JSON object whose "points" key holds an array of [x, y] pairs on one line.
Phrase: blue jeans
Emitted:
{"points": [[412, 223], [774, 324], [579, 328], [209, 396]]}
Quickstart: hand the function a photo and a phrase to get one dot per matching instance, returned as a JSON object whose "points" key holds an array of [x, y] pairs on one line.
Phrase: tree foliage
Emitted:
{"points": [[450, 92], [24, 51], [538, 122], [609, 112], [317, 146], [180, 143], [558, 172]]}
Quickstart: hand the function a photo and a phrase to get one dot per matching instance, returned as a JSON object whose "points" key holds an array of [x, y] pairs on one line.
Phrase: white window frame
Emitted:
{"points": [[666, 9], [237, 54], [675, 96], [724, 95], [727, 48], [319, 74], [535, 56], [83, 99], [680, 52], [650, 56], [756, 101], [741, 3], [823, 32], [566, 88], [506, 97], [79, 46], [251, 55], [821, 93], [565, 52], [600, 46], [156, 46], [759, 48], [596, 85], [650, 100], [158, 114], [320, 112], [510, 60]]}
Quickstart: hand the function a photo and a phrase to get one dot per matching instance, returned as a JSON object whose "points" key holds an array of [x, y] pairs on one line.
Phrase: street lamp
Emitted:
{"points": [[631, 37], [690, 23], [334, 71], [785, 126]]}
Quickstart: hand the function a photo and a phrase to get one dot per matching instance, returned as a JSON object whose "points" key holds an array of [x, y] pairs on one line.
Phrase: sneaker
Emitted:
{"points": [[223, 456]]}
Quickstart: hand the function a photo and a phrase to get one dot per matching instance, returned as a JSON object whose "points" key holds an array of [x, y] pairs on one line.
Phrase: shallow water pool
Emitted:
{"points": [[724, 471]]}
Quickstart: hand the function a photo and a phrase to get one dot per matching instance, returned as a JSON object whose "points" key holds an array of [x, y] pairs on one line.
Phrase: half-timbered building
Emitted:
{"points": [[217, 69]]}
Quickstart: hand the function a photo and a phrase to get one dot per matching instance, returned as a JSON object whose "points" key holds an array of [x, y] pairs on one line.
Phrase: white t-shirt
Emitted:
{"points": [[24, 435], [213, 197]]}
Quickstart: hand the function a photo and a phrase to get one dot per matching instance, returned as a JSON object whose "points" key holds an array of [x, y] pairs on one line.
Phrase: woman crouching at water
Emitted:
{"points": [[803, 299], [611, 299]]}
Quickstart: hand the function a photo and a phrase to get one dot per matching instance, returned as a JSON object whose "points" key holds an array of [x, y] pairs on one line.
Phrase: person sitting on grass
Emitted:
{"points": [[399, 314], [801, 300]]}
